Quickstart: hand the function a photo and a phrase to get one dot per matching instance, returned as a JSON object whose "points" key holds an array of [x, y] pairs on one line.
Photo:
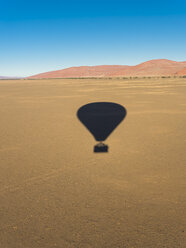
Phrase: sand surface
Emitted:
{"points": [[55, 192]]}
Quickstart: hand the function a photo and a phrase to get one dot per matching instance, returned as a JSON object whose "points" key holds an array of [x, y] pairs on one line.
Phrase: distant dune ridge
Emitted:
{"points": [[158, 67], [3, 77]]}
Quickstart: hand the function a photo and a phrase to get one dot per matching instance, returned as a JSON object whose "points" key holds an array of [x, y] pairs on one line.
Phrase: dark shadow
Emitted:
{"points": [[101, 118]]}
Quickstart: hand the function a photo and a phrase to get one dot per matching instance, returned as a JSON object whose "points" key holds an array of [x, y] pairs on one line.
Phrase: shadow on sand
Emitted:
{"points": [[101, 118]]}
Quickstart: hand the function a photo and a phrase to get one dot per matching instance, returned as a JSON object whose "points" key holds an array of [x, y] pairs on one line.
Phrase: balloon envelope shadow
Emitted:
{"points": [[101, 118]]}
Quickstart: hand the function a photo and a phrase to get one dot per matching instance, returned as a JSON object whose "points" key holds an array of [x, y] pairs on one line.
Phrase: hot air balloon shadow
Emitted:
{"points": [[101, 118]]}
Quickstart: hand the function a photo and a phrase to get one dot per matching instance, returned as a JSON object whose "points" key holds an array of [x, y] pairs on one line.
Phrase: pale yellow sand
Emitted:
{"points": [[55, 192]]}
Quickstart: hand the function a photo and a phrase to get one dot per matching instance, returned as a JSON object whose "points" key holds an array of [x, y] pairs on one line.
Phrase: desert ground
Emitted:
{"points": [[55, 192]]}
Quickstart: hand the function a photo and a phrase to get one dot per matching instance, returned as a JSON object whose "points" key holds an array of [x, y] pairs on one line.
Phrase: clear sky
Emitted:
{"points": [[41, 35]]}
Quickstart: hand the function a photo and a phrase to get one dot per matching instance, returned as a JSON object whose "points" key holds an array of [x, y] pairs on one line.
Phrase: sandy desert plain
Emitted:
{"points": [[56, 193]]}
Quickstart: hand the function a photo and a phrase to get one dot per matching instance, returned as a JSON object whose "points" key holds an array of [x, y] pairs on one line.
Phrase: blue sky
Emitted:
{"points": [[40, 36]]}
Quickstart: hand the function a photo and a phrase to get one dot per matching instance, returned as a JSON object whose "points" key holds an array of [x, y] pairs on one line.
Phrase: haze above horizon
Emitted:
{"points": [[40, 36]]}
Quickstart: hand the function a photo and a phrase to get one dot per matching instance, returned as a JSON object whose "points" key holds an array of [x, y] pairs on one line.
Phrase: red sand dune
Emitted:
{"points": [[182, 72], [161, 67]]}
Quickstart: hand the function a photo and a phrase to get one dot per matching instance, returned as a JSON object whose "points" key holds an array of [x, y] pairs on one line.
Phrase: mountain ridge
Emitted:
{"points": [[156, 67], [6, 78]]}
